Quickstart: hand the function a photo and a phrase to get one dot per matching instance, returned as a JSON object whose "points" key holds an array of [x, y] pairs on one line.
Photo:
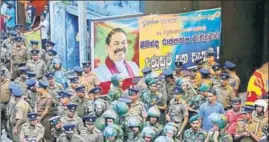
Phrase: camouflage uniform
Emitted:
{"points": [[114, 94], [82, 108], [75, 120], [191, 136]]}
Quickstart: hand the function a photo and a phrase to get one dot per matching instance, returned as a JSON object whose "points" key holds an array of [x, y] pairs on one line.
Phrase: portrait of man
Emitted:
{"points": [[115, 62]]}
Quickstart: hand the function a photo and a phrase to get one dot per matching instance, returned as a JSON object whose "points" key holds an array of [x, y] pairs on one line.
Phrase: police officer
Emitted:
{"points": [[37, 65], [205, 77], [73, 84], [78, 71], [43, 107], [21, 79], [91, 134], [259, 114], [19, 30], [224, 91], [153, 116], [59, 72], [178, 112], [149, 133], [115, 92], [195, 77], [218, 132], [111, 133], [216, 77], [53, 87], [195, 133], [34, 46], [19, 113], [32, 130], [209, 61], [49, 45], [64, 97], [234, 80], [50, 55], [9, 42], [5, 98], [71, 117], [18, 57], [56, 129], [69, 134], [248, 130], [135, 124], [136, 107], [169, 85], [81, 100], [95, 94], [32, 94], [89, 79], [170, 130]]}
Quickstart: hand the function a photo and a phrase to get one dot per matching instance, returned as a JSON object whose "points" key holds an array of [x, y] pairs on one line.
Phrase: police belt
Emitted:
{"points": [[4, 103]]}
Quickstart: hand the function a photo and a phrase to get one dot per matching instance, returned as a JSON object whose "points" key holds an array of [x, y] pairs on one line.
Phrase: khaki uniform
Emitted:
{"points": [[22, 84], [234, 81], [92, 136], [177, 111], [263, 120], [252, 126], [75, 138], [82, 108], [53, 92], [196, 81], [38, 67], [5, 55], [56, 133], [62, 110], [5, 97], [137, 108], [225, 95], [41, 54], [8, 44], [75, 120], [32, 98], [30, 132], [18, 56], [19, 112], [90, 81], [207, 82], [191, 136], [45, 102]]}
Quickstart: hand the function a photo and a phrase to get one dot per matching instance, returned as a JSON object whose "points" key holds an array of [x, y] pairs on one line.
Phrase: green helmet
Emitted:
{"points": [[150, 79], [149, 132], [219, 119], [115, 79], [100, 123], [110, 114], [134, 121], [170, 128], [110, 131], [178, 81], [121, 108], [153, 112], [204, 88], [164, 139], [171, 124], [99, 104]]}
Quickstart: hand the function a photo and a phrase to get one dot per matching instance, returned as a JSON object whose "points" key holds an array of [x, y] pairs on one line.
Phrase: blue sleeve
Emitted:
{"points": [[201, 111], [222, 109]]}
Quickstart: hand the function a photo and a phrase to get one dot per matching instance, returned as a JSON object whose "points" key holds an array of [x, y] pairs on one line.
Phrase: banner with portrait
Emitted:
{"points": [[115, 49], [164, 39]]}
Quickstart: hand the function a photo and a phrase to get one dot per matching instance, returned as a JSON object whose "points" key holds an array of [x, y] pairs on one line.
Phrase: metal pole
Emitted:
{"points": [[82, 29]]}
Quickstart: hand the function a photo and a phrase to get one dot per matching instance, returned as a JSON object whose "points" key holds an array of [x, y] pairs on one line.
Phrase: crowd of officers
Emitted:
{"points": [[40, 101]]}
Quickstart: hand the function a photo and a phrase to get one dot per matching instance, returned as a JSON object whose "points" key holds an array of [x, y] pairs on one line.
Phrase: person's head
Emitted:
{"points": [[178, 66], [204, 73], [69, 130], [168, 73], [42, 17], [86, 66], [64, 97], [95, 92], [219, 121], [146, 71], [74, 81], [195, 122], [110, 116], [229, 66], [31, 85], [34, 44], [32, 118], [89, 121], [99, 107], [178, 92], [224, 79], [78, 70], [204, 88], [148, 134], [236, 102], [247, 112], [51, 54], [133, 94], [110, 133], [42, 86], [210, 56], [28, 3], [117, 44], [217, 69], [80, 91], [153, 114], [135, 124], [211, 96], [17, 92], [199, 63], [153, 85], [19, 41], [117, 80], [261, 106], [170, 130], [49, 45], [50, 78], [35, 54], [57, 63], [184, 85], [55, 122], [71, 109]]}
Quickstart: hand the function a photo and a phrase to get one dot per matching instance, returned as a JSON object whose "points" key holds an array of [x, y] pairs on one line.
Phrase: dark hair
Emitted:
{"points": [[236, 100], [112, 32]]}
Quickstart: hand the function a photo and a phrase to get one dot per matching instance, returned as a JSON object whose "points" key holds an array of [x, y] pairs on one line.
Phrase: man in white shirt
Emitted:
{"points": [[44, 27]]}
